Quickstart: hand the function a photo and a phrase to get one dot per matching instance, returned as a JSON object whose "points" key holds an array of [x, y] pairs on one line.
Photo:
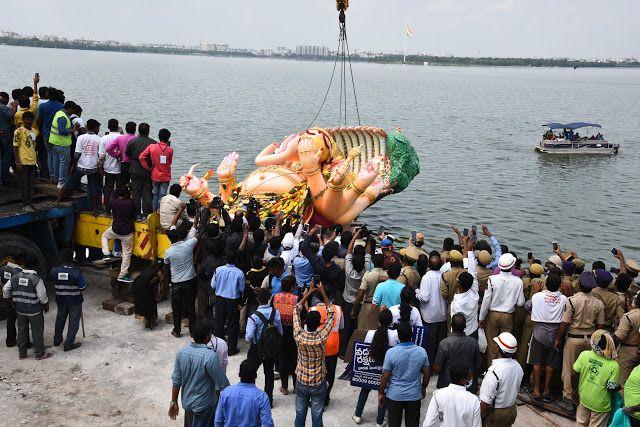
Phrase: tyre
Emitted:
{"points": [[10, 244]]}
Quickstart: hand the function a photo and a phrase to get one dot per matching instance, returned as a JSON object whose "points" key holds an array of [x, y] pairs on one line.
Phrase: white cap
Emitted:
{"points": [[506, 342], [555, 260], [287, 241], [507, 261]]}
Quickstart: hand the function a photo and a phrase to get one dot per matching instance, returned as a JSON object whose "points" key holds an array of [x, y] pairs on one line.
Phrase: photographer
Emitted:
{"points": [[356, 263]]}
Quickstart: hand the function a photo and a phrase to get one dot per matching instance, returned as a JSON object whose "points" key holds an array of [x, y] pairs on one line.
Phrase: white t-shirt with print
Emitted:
{"points": [[88, 145]]}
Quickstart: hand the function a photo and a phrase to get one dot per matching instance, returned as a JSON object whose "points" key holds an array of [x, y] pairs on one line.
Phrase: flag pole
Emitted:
{"points": [[404, 57]]}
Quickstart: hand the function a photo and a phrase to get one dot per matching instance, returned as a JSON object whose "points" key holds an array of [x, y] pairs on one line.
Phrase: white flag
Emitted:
{"points": [[409, 32]]}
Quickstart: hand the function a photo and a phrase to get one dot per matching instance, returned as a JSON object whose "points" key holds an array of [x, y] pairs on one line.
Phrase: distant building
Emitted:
{"points": [[312, 51], [213, 47]]}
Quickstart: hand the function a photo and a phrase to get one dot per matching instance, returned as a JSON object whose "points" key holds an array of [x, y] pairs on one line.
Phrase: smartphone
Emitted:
{"points": [[614, 251], [37, 75], [414, 236], [555, 245], [474, 230], [316, 279], [530, 255], [465, 232], [306, 228], [474, 238]]}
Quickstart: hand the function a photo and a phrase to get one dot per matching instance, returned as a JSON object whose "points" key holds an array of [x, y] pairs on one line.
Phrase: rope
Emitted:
{"points": [[353, 82], [328, 88], [343, 52]]}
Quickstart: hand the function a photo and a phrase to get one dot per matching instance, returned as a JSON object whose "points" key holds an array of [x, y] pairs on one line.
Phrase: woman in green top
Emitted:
{"points": [[596, 373], [632, 397]]}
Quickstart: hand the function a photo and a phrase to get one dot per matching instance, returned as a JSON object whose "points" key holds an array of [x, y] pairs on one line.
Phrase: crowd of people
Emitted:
{"points": [[44, 135], [496, 324], [569, 135]]}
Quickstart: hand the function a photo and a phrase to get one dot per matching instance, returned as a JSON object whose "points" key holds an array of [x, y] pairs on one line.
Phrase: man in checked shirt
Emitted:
{"points": [[311, 371]]}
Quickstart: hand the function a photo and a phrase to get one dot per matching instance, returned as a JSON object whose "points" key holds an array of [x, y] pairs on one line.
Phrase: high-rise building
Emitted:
{"points": [[312, 50]]}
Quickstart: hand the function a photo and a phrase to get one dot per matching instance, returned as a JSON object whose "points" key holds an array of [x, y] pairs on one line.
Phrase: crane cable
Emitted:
{"points": [[344, 55]]}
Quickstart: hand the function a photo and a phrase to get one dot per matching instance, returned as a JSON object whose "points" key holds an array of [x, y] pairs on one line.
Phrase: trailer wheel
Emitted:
{"points": [[11, 244]]}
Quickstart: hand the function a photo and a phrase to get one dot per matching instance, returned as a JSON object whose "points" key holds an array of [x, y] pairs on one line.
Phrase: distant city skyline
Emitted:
{"points": [[500, 28]]}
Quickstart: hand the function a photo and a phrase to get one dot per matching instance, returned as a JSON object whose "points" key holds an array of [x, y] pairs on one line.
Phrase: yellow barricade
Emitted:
{"points": [[149, 242]]}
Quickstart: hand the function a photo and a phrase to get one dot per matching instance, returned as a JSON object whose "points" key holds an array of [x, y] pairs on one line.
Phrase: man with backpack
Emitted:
{"points": [[264, 333]]}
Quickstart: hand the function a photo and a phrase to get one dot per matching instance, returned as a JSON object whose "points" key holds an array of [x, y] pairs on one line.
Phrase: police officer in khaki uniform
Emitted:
{"points": [[613, 307], [483, 272], [629, 338], [409, 275], [631, 268], [368, 315], [583, 314], [449, 280]]}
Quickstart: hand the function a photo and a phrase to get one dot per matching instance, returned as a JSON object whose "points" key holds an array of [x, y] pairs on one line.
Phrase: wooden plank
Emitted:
{"points": [[551, 407]]}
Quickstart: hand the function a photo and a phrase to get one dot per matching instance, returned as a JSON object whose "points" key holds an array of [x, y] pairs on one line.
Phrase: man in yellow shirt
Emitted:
{"points": [[24, 152], [25, 106]]}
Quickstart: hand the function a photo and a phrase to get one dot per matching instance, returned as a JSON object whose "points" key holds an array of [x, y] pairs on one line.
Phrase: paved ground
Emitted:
{"points": [[121, 376]]}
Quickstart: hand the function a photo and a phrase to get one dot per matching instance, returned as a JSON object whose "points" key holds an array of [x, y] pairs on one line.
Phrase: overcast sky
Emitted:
{"points": [[542, 28]]}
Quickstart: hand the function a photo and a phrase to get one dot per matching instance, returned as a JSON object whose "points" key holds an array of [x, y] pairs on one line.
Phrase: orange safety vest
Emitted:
{"points": [[333, 343]]}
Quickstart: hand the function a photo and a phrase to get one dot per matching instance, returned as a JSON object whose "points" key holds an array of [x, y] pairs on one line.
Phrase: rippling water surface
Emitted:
{"points": [[473, 128]]}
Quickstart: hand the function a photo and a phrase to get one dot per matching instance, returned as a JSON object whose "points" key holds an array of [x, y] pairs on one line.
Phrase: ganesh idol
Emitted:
{"points": [[327, 176]]}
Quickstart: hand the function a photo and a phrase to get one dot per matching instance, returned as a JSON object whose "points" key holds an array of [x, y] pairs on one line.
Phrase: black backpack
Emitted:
{"points": [[270, 341]]}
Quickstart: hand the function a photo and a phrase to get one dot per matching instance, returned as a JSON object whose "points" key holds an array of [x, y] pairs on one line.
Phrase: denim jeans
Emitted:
{"points": [[159, 190], [362, 400], [94, 190], [6, 154], [53, 172], [61, 162], [205, 418], [74, 312], [317, 395]]}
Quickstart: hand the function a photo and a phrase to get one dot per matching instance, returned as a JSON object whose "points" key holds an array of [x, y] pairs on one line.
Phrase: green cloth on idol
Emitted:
{"points": [[632, 390], [405, 163], [595, 372]]}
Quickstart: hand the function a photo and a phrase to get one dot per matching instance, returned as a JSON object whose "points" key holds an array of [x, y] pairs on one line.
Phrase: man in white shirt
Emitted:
{"points": [[170, 205], [466, 302], [85, 162], [433, 307], [504, 292], [109, 164], [501, 384], [454, 406], [546, 309]]}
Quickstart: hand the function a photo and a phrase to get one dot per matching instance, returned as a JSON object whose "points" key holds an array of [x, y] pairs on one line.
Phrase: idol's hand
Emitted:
{"points": [[227, 168], [339, 173], [309, 156]]}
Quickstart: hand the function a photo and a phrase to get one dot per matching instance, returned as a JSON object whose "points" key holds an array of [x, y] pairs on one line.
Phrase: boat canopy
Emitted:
{"points": [[571, 126]]}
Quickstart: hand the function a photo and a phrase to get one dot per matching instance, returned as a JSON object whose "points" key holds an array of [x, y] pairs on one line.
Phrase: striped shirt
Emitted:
{"points": [[311, 370]]}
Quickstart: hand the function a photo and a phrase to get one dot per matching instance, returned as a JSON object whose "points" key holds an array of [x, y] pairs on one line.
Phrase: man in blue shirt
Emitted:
{"points": [[179, 257], [303, 272], [277, 272], [69, 284], [402, 386], [197, 371], [244, 404], [255, 326], [228, 285], [387, 293]]}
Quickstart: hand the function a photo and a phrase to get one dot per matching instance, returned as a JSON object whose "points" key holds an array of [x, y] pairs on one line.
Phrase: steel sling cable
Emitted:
{"points": [[329, 87]]}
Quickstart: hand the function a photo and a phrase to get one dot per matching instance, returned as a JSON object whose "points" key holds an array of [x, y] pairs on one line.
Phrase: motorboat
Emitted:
{"points": [[566, 138]]}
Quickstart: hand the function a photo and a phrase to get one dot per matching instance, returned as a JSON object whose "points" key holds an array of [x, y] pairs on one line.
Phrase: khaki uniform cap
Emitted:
{"points": [[484, 257]]}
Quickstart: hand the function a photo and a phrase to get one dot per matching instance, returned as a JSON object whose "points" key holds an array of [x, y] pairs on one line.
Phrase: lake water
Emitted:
{"points": [[474, 129]]}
